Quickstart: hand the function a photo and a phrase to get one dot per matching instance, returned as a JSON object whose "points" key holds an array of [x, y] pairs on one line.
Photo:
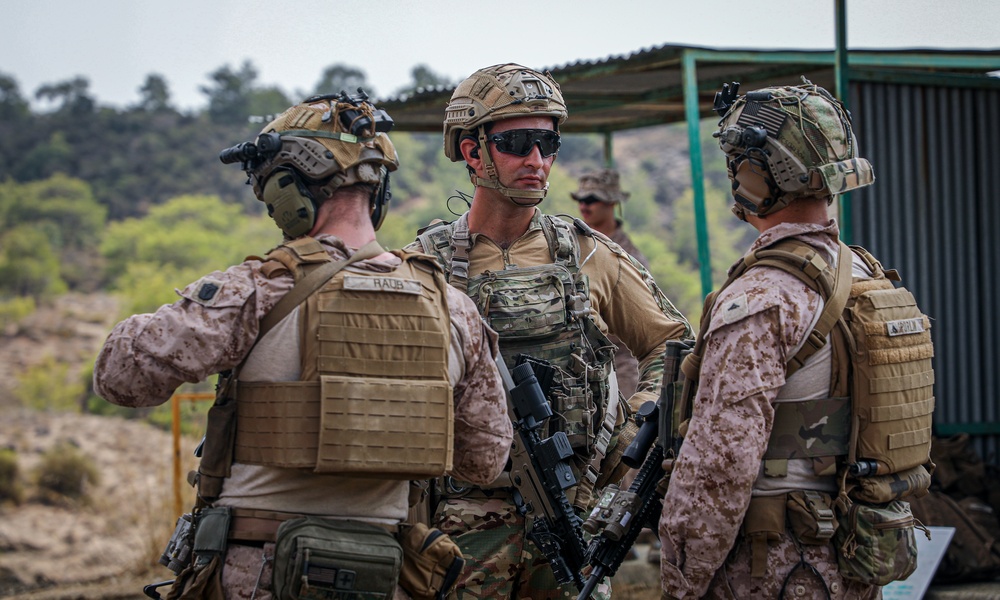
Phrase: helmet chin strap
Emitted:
{"points": [[493, 182]]}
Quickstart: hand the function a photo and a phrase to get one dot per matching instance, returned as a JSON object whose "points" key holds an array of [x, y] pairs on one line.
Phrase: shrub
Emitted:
{"points": [[10, 485], [47, 386], [64, 474], [15, 309]]}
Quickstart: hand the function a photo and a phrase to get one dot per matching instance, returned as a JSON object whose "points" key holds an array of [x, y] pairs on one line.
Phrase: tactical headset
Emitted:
{"points": [[324, 143], [293, 206]]}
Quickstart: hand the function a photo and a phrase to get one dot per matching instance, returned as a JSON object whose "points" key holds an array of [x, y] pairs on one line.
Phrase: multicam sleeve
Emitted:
{"points": [[483, 431]]}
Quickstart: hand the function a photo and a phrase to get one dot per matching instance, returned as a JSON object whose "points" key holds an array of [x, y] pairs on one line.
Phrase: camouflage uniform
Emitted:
{"points": [[757, 323], [147, 356], [500, 561]]}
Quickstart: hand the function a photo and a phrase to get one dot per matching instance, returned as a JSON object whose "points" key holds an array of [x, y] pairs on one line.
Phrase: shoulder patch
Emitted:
{"points": [[735, 309], [206, 290]]}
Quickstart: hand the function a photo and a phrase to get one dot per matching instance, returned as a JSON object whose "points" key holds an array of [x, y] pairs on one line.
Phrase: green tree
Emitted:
{"points": [[229, 94], [339, 77], [12, 103], [72, 96], [176, 244], [154, 94], [423, 78], [29, 266], [64, 211]]}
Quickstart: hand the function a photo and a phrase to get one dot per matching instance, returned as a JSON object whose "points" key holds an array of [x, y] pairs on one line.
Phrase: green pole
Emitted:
{"points": [[693, 117], [609, 153], [842, 76]]}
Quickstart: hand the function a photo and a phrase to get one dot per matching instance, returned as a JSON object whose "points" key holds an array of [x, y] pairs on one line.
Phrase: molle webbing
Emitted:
{"points": [[375, 397], [893, 378]]}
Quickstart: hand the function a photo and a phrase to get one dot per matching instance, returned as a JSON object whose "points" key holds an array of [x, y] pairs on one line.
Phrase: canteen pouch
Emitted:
{"points": [[322, 559], [432, 562], [876, 543]]}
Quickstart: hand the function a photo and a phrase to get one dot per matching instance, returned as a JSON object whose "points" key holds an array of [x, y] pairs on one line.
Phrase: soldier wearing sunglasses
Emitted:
{"points": [[553, 290]]}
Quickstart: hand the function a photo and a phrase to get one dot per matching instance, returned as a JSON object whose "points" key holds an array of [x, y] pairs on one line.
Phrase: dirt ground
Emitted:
{"points": [[116, 535]]}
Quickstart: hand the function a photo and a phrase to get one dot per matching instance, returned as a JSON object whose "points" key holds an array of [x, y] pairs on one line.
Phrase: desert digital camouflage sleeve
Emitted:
{"points": [[210, 329], [483, 431], [754, 325]]}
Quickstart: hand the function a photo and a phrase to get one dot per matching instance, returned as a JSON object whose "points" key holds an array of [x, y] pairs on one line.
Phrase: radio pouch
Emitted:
{"points": [[317, 558], [432, 562]]}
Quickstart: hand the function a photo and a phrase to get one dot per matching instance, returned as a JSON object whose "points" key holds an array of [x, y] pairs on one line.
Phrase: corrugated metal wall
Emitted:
{"points": [[934, 214]]}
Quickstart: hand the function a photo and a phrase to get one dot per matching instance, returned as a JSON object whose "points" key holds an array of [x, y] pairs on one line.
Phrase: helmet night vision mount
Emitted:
{"points": [[324, 143], [784, 143]]}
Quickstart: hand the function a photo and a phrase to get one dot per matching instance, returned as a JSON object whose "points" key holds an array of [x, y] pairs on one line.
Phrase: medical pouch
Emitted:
{"points": [[432, 562], [875, 542], [329, 559]]}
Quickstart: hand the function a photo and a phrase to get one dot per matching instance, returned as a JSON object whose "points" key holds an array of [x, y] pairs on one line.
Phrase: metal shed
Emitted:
{"points": [[926, 119]]}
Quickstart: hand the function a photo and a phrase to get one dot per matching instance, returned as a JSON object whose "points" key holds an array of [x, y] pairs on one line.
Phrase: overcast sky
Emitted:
{"points": [[115, 44]]}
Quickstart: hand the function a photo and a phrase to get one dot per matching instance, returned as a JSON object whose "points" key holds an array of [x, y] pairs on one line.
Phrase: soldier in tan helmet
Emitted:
{"points": [[345, 372], [553, 290], [765, 497]]}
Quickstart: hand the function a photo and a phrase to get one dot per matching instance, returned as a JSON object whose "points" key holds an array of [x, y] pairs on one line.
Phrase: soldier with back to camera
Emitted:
{"points": [[552, 290], [806, 410], [345, 372]]}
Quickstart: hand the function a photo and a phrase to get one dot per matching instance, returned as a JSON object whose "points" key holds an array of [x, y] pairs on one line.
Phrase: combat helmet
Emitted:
{"points": [[325, 143], [785, 143], [493, 94]]}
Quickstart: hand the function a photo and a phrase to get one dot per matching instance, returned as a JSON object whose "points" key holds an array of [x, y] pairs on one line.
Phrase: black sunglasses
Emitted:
{"points": [[520, 141], [589, 200]]}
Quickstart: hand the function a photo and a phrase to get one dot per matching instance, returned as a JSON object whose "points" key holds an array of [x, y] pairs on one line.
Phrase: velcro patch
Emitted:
{"points": [[735, 309], [395, 285], [207, 291], [905, 326]]}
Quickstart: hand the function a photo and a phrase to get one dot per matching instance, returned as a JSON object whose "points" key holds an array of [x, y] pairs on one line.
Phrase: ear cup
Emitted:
{"points": [[289, 203], [751, 187], [380, 200]]}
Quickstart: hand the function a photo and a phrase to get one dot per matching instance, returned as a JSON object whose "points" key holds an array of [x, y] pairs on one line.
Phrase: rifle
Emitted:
{"points": [[620, 515], [541, 473]]}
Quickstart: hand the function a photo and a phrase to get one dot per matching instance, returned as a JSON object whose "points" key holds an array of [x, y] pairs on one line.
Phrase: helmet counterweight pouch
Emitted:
{"points": [[289, 203]]}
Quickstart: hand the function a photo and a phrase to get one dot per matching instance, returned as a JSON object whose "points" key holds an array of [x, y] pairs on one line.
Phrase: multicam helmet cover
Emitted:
{"points": [[789, 142], [493, 94], [603, 185]]}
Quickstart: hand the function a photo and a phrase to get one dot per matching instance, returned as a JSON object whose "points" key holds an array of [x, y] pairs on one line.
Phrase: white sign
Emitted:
{"points": [[929, 554]]}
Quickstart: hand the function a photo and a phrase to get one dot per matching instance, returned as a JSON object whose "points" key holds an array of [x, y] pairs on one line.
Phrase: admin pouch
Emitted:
{"points": [[329, 559], [432, 562], [876, 543]]}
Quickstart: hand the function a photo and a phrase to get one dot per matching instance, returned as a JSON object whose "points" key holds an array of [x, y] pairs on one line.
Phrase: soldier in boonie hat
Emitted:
{"points": [[602, 185]]}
